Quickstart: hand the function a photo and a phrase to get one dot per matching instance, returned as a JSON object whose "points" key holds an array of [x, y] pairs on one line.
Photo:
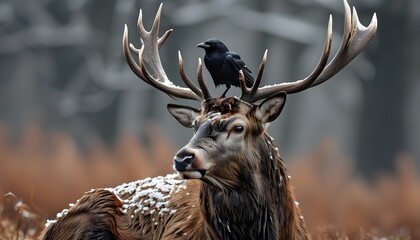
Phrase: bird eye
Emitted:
{"points": [[238, 129]]}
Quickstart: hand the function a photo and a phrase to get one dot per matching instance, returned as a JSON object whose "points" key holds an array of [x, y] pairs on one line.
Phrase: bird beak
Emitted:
{"points": [[203, 45]]}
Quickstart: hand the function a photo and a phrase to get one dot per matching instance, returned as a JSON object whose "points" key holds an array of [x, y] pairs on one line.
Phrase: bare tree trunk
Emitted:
{"points": [[381, 132]]}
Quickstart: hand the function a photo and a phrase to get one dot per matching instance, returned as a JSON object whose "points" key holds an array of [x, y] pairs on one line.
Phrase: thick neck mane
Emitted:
{"points": [[261, 206]]}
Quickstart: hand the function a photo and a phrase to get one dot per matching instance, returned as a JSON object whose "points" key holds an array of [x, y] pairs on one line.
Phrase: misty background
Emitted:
{"points": [[62, 67]]}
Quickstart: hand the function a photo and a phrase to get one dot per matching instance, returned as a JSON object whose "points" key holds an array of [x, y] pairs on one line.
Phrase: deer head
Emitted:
{"points": [[229, 135]]}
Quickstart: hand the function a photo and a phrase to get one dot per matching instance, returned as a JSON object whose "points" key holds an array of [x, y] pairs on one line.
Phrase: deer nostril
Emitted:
{"points": [[184, 156], [183, 160], [186, 159]]}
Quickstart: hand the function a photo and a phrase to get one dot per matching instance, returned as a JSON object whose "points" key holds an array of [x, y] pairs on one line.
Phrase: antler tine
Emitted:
{"points": [[184, 77], [149, 53], [248, 94], [131, 63], [245, 90], [140, 25], [155, 28], [257, 82], [355, 39], [150, 39], [204, 89], [165, 36]]}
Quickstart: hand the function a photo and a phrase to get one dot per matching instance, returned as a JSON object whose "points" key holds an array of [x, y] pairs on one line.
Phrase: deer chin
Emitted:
{"points": [[192, 174]]}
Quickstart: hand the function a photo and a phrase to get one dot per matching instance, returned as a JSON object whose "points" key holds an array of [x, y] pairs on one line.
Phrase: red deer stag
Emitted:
{"points": [[237, 186]]}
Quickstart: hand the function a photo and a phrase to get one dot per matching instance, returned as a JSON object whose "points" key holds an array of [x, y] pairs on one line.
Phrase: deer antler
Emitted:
{"points": [[355, 39], [149, 53]]}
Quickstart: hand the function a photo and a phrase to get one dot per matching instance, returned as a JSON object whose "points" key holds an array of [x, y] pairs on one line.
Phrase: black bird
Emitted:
{"points": [[224, 65]]}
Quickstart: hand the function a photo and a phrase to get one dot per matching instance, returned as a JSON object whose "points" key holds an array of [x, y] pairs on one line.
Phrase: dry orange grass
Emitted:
{"points": [[332, 196], [48, 171], [18, 220]]}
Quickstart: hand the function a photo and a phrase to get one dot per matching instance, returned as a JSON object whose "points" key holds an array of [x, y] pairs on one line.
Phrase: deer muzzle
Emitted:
{"points": [[185, 163]]}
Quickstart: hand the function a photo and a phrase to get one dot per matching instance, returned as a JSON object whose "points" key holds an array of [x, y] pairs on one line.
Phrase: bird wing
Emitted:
{"points": [[236, 62]]}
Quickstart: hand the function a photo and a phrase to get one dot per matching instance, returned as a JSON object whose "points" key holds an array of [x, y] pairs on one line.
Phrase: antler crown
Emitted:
{"points": [[355, 38]]}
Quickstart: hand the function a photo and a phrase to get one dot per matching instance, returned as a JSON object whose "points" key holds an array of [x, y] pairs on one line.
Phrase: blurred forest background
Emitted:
{"points": [[61, 66], [66, 92]]}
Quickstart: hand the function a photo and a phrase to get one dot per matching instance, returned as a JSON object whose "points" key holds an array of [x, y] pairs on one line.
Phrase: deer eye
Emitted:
{"points": [[238, 128]]}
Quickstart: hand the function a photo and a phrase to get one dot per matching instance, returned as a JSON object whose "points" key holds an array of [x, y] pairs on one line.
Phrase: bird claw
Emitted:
{"points": [[224, 93]]}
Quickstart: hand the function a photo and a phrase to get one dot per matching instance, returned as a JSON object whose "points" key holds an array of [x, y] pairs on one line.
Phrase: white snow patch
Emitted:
{"points": [[147, 196], [59, 215]]}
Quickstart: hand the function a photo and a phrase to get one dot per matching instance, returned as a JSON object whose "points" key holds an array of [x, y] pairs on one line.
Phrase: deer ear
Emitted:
{"points": [[184, 114], [271, 108]]}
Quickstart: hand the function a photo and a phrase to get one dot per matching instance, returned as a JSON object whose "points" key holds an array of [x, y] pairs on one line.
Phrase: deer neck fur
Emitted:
{"points": [[260, 206]]}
